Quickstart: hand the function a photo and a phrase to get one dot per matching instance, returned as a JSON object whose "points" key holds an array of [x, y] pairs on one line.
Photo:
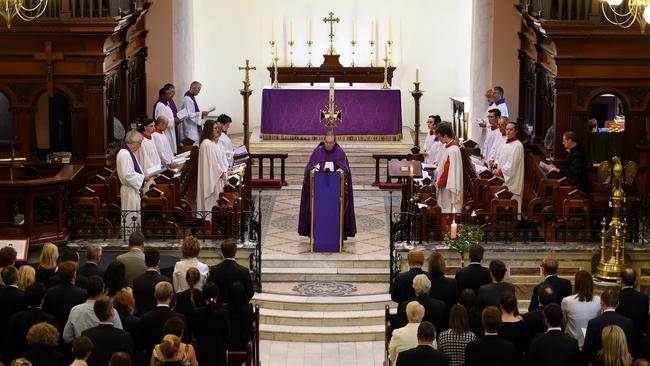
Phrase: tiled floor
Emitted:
{"points": [[275, 353]]}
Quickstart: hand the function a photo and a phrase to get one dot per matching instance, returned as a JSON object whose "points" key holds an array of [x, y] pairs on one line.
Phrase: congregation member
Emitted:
{"points": [[190, 249], [60, 299], [115, 278], [489, 295], [212, 170], [474, 275], [163, 109], [633, 304], [469, 301], [432, 146], [133, 260], [454, 340], [144, 285], [26, 277], [131, 176], [580, 307], [406, 337], [442, 288], [491, 349], [194, 121], [159, 138], [192, 297], [513, 328], [240, 313], [424, 353], [435, 310], [93, 257], [153, 321], [83, 316], [449, 181], [561, 286], [554, 347], [499, 98], [106, 338], [535, 318], [511, 163], [575, 166], [8, 256], [224, 140], [43, 339], [72, 255], [174, 351], [211, 328], [47, 263], [124, 304], [147, 154], [593, 336], [82, 347], [120, 359], [12, 299], [229, 272], [402, 286], [615, 348], [493, 135]]}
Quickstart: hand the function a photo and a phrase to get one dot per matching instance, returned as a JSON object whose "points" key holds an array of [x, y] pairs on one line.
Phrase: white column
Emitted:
{"points": [[183, 43], [480, 74]]}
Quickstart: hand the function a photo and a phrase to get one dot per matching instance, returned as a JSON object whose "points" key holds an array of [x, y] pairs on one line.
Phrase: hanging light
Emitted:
{"points": [[614, 2], [10, 8]]}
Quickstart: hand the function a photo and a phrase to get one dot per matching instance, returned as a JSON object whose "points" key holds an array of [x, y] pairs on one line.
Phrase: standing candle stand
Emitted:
{"points": [[417, 94], [309, 44], [353, 43], [272, 44], [372, 53], [390, 52], [275, 70], [246, 93], [290, 43], [385, 85]]}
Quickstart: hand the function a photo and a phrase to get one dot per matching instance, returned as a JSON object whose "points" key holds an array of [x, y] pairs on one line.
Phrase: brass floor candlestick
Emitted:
{"points": [[417, 94], [309, 44], [353, 43], [275, 71], [390, 53], [246, 93], [386, 85], [272, 44], [290, 53], [372, 53]]}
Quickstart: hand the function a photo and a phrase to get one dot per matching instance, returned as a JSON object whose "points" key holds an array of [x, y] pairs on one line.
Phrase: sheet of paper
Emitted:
{"points": [[183, 113], [479, 168], [241, 150], [183, 155], [422, 205], [156, 169], [211, 108], [329, 165]]}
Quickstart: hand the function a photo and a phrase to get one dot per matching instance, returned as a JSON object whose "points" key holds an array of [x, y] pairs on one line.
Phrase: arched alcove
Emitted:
{"points": [[606, 126], [53, 122]]}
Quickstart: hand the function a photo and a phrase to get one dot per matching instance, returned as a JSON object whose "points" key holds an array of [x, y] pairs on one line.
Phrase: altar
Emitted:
{"points": [[293, 113]]}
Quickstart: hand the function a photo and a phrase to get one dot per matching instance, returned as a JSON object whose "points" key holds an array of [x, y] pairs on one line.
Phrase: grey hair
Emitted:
{"points": [[421, 284], [161, 119], [195, 83], [163, 290], [93, 252], [132, 137]]}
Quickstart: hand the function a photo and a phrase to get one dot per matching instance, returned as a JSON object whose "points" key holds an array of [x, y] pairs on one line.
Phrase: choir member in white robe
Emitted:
{"points": [[159, 138], [162, 108], [493, 133], [131, 178], [496, 149], [194, 120], [449, 182], [147, 154], [511, 163], [432, 146], [212, 170], [226, 144], [482, 122], [500, 101]]}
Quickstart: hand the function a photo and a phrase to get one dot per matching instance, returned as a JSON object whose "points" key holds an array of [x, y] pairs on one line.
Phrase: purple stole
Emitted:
{"points": [[172, 105], [500, 101], [196, 106], [136, 166], [160, 101]]}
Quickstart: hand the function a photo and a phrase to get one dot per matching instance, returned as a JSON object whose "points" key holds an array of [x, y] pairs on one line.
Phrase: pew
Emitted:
{"points": [[155, 219], [390, 320], [89, 220], [250, 356]]}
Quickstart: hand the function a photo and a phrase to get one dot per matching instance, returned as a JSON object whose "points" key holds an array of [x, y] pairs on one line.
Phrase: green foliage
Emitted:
{"points": [[466, 236]]}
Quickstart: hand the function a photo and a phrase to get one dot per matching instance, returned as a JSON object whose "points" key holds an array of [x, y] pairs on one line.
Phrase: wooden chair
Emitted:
{"points": [[389, 325]]}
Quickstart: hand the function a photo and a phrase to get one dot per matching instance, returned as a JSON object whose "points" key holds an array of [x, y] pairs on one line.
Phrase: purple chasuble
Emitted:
{"points": [[196, 106], [136, 166], [340, 160]]}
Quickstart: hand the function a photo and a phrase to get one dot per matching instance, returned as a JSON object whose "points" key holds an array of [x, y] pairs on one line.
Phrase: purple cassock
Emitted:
{"points": [[320, 156]]}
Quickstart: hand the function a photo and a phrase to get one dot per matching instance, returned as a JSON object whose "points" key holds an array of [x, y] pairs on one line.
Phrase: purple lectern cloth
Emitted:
{"points": [[327, 212], [297, 111], [320, 156]]}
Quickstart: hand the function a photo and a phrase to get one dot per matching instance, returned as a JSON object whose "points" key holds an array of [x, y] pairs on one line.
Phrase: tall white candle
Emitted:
{"points": [[273, 30], [309, 29], [353, 32], [417, 74], [331, 89], [291, 31], [372, 30], [390, 29]]}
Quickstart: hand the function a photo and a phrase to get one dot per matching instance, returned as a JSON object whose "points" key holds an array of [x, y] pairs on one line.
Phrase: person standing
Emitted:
{"points": [[131, 177], [147, 154], [511, 163], [226, 144], [194, 120], [162, 108], [450, 179], [212, 170], [432, 146]]}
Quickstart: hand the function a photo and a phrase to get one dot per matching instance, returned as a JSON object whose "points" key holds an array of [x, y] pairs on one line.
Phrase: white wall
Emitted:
{"points": [[434, 35]]}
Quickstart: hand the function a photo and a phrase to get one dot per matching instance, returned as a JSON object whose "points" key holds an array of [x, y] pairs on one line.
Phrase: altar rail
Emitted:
{"points": [[263, 181]]}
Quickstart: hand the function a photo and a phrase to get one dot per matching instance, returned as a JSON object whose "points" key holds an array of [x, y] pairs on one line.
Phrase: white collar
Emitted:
{"points": [[162, 305], [609, 310], [551, 275], [487, 334], [230, 259], [624, 287], [470, 263], [553, 328]]}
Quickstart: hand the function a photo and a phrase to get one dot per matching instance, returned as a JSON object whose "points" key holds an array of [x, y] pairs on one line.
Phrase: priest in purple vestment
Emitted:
{"points": [[327, 151]]}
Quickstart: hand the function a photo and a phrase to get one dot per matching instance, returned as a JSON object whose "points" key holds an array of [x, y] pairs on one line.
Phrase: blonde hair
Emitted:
{"points": [[190, 247], [414, 312], [421, 284], [21, 362], [614, 351], [43, 334], [26, 277], [49, 256], [170, 345]]}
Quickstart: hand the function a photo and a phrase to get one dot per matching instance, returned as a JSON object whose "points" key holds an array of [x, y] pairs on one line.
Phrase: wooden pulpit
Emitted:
{"points": [[327, 202]]}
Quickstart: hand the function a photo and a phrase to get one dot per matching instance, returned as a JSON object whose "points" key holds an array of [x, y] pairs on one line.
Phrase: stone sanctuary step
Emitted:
{"points": [[322, 318], [334, 260], [293, 333], [322, 303], [325, 274]]}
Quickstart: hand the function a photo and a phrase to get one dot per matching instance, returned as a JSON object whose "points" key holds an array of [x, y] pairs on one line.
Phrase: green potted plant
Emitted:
{"points": [[466, 236]]}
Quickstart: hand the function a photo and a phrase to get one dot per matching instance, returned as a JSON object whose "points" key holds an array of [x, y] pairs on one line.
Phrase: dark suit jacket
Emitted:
{"points": [[12, 300], [60, 299], [593, 336], [445, 289], [435, 312], [473, 276], [490, 350], [40, 356], [90, 269], [575, 169], [535, 321], [402, 287], [422, 356], [133, 326], [152, 326], [241, 324], [561, 289], [15, 343], [488, 295], [226, 274], [554, 348], [212, 328], [643, 351], [81, 281], [143, 290], [107, 340], [634, 306]]}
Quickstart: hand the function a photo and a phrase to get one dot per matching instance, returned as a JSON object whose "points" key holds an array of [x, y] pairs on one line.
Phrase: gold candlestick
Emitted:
{"points": [[372, 53], [417, 94], [353, 43], [390, 53], [309, 43], [272, 44], [290, 53], [386, 85], [275, 70]]}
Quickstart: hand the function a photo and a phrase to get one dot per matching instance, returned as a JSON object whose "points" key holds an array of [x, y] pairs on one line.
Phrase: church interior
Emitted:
{"points": [[546, 173]]}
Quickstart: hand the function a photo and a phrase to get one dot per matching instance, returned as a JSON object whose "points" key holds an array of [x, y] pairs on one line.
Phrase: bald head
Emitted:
{"points": [[628, 277], [414, 312], [330, 140]]}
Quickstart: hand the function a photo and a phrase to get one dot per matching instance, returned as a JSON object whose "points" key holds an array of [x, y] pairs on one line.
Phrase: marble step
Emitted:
{"points": [[335, 260], [322, 318], [298, 274], [294, 333], [317, 303]]}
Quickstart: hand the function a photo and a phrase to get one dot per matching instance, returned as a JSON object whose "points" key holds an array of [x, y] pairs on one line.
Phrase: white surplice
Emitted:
{"points": [[226, 145], [511, 163], [148, 157], [484, 130], [193, 122], [450, 193], [503, 108], [432, 148], [212, 165], [165, 110], [131, 183], [490, 141], [165, 152], [496, 149]]}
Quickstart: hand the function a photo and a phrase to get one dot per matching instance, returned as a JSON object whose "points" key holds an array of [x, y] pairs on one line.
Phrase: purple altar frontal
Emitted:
{"points": [[367, 114]]}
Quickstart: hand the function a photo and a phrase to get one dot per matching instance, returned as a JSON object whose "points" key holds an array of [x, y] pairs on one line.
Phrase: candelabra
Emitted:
{"points": [[275, 71], [353, 43], [290, 53], [386, 85], [390, 52], [372, 53], [272, 44], [309, 44]]}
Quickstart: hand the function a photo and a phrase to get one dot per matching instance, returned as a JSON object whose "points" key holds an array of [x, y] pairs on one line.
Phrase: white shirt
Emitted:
{"points": [[181, 267], [578, 314]]}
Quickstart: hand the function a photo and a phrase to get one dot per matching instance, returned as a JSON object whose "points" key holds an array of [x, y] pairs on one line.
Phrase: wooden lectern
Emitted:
{"points": [[327, 202]]}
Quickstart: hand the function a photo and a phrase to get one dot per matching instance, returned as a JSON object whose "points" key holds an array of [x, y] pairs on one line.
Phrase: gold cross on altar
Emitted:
{"points": [[247, 80], [331, 115], [331, 20], [49, 57]]}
